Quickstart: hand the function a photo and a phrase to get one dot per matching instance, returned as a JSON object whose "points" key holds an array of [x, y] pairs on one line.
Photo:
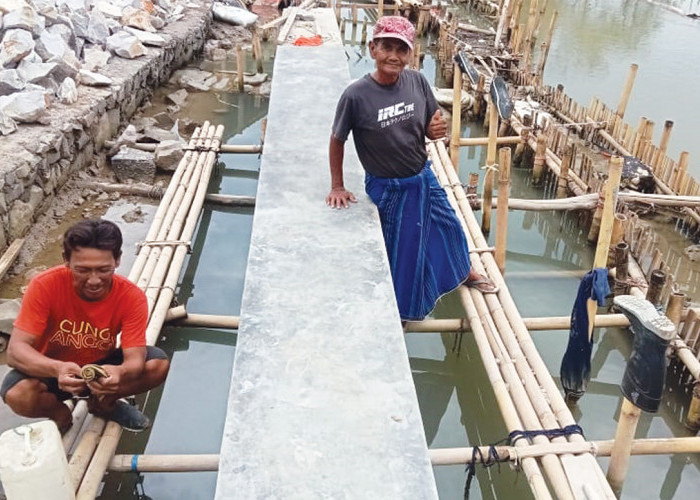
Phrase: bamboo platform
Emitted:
{"points": [[156, 271]]}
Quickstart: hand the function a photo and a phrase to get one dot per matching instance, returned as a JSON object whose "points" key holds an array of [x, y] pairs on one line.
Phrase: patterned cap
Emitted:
{"points": [[394, 27]]}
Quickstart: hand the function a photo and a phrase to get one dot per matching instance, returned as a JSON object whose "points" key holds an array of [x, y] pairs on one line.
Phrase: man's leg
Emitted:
{"points": [[30, 397]]}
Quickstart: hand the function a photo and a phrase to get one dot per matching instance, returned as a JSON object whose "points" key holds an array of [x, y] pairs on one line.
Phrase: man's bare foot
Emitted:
{"points": [[481, 283]]}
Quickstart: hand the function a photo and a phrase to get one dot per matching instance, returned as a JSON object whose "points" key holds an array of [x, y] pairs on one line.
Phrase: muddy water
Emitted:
{"points": [[596, 41]]}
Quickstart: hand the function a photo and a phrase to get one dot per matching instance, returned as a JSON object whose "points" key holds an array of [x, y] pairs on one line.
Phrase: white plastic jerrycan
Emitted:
{"points": [[33, 463]]}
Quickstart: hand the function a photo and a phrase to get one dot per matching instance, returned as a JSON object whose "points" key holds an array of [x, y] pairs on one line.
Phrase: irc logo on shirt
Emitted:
{"points": [[395, 113], [82, 335]]}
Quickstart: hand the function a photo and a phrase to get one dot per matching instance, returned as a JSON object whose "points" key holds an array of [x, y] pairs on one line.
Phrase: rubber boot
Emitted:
{"points": [[643, 381]]}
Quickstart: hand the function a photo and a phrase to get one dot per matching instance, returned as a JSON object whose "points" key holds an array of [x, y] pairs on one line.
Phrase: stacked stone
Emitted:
{"points": [[39, 157], [48, 47]]}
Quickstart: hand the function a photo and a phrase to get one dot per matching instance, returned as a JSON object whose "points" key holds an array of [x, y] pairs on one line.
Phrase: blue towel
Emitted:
{"points": [[575, 369], [425, 243]]}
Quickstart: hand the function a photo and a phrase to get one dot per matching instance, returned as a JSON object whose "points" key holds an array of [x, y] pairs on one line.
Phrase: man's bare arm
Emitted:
{"points": [[23, 356], [339, 196]]}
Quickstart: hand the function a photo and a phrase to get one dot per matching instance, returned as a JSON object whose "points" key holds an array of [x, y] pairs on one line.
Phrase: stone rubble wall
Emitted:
{"points": [[37, 160]]}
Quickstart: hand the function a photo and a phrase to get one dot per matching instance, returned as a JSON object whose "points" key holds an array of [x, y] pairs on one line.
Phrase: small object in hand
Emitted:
{"points": [[91, 372]]}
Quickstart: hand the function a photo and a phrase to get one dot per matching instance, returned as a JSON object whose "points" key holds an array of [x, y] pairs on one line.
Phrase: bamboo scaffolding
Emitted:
{"points": [[514, 404], [151, 276], [99, 462], [520, 345]]}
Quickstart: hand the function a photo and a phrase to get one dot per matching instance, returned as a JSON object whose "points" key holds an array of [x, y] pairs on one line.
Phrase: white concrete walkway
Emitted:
{"points": [[322, 402]]}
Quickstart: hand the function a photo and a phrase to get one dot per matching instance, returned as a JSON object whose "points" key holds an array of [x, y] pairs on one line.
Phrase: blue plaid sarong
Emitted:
{"points": [[425, 243]]}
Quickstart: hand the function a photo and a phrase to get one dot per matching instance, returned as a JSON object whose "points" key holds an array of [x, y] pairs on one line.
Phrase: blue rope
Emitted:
{"points": [[493, 457], [135, 463]]}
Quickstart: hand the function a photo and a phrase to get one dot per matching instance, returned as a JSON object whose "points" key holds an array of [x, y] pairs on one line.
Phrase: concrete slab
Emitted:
{"points": [[322, 403]]}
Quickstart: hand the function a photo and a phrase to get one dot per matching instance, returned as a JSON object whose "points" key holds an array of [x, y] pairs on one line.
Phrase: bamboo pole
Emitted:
{"points": [[505, 9], [456, 131], [605, 234], [490, 167], [175, 187], [171, 279], [664, 446], [240, 67], [626, 91], [164, 463], [156, 263], [175, 317], [504, 303], [380, 9], [620, 454], [83, 453], [692, 419], [484, 141], [438, 456], [540, 156], [666, 136], [545, 48], [563, 179], [502, 213], [80, 416], [674, 309]]}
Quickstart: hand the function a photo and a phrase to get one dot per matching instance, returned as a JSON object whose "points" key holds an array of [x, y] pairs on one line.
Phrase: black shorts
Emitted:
{"points": [[116, 358]]}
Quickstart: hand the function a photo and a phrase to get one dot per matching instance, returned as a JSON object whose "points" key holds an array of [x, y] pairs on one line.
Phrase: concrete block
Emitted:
{"points": [[134, 165]]}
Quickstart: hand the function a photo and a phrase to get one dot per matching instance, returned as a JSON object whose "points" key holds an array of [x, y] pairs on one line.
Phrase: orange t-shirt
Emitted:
{"points": [[73, 329]]}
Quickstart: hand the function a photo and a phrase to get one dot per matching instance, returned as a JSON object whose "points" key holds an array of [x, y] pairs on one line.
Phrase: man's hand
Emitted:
{"points": [[69, 379], [339, 197], [437, 127], [108, 384]]}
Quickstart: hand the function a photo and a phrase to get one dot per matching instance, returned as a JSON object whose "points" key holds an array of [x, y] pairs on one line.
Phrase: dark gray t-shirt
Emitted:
{"points": [[388, 123]]}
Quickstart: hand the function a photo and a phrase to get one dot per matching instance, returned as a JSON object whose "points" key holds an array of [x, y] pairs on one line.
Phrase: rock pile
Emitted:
{"points": [[49, 47]]}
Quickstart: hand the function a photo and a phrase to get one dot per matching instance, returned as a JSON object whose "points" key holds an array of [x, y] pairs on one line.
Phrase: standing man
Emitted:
{"points": [[70, 316], [389, 113]]}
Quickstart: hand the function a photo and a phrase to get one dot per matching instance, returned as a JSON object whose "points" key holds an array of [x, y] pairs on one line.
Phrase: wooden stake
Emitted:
{"points": [[674, 309], [490, 166], [563, 180], [692, 419], [363, 40], [545, 48], [626, 91], [538, 166], [240, 61], [605, 234], [620, 454], [502, 213], [666, 136]]}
